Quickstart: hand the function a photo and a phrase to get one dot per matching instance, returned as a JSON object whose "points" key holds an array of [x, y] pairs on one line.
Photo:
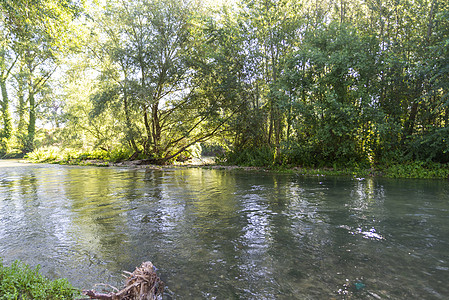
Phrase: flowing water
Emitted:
{"points": [[218, 234]]}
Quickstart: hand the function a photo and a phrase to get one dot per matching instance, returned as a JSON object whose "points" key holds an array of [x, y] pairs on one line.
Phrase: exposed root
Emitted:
{"points": [[142, 284]]}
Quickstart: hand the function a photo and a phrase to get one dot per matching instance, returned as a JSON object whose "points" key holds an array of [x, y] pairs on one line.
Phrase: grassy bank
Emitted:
{"points": [[408, 169], [20, 281], [411, 170], [56, 155]]}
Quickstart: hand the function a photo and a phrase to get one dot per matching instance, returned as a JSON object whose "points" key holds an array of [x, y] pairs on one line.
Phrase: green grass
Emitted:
{"points": [[20, 281]]}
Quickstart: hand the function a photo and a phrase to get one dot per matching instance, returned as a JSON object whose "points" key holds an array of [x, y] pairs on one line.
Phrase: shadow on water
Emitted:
{"points": [[218, 234]]}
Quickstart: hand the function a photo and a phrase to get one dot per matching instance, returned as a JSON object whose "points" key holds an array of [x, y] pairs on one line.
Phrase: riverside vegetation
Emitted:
{"points": [[413, 169], [341, 85], [20, 281], [354, 87]]}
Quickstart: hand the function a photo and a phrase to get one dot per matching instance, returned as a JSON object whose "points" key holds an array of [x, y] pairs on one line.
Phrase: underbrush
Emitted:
{"points": [[262, 158], [253, 157], [20, 281], [411, 170], [355, 172], [417, 169], [71, 156]]}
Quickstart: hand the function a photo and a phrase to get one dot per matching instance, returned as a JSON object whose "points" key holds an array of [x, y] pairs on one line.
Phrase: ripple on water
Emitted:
{"points": [[219, 234]]}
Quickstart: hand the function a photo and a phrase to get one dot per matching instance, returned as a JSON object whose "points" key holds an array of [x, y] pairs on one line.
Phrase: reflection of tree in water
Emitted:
{"points": [[211, 225], [348, 206], [152, 212], [35, 217], [163, 219], [325, 254], [230, 228], [256, 236], [228, 234], [290, 237], [99, 225], [280, 235], [287, 261], [185, 221], [158, 215], [22, 204]]}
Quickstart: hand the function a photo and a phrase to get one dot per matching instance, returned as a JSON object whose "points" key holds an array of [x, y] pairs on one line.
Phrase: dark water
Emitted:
{"points": [[216, 234]]}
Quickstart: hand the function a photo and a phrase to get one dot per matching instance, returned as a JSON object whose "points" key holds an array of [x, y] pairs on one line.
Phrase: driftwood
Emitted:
{"points": [[142, 284]]}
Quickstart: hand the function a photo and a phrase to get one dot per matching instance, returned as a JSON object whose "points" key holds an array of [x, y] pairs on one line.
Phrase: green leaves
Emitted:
{"points": [[20, 281], [329, 96], [318, 83]]}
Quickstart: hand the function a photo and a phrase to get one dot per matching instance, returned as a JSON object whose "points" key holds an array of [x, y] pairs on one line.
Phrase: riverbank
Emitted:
{"points": [[413, 170], [120, 158], [409, 170]]}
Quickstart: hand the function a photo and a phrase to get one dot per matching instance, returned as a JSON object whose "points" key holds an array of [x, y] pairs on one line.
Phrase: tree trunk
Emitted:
{"points": [[21, 109], [276, 113], [129, 130], [430, 23], [156, 129], [148, 128], [410, 124], [29, 146], [7, 124]]}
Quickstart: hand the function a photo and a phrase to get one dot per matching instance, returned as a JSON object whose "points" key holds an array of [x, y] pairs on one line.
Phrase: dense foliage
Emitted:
{"points": [[345, 83], [20, 281]]}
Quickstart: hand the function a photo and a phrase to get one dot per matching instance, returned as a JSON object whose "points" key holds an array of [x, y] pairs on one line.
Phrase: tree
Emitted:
{"points": [[328, 83], [39, 32], [152, 70], [7, 63], [275, 30]]}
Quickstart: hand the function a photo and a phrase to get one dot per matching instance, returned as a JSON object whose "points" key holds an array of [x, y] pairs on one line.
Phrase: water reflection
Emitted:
{"points": [[220, 234]]}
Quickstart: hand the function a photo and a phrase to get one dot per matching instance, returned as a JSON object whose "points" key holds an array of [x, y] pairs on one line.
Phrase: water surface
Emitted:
{"points": [[217, 234]]}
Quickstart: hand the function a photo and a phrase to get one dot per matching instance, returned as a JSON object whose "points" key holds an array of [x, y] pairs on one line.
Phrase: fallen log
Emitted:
{"points": [[142, 284]]}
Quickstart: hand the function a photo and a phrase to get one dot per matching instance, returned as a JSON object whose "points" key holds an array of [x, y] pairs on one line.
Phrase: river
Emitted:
{"points": [[220, 234]]}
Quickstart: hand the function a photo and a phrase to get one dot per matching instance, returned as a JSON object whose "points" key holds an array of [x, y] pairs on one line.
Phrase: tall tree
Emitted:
{"points": [[7, 63], [154, 71], [267, 31], [40, 32]]}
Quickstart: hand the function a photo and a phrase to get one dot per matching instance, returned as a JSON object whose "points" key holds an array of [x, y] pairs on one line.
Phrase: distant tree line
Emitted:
{"points": [[311, 83]]}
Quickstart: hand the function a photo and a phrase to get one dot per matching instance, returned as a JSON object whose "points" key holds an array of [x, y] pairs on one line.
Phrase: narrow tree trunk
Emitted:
{"points": [[156, 128], [7, 123], [430, 23], [276, 114], [21, 108], [148, 128], [128, 121], [145, 107], [31, 132], [410, 124], [31, 129]]}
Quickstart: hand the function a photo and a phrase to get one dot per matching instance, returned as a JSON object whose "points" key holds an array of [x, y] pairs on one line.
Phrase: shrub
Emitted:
{"points": [[432, 145], [44, 154], [71, 156], [20, 281], [254, 157], [418, 169], [120, 154]]}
